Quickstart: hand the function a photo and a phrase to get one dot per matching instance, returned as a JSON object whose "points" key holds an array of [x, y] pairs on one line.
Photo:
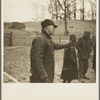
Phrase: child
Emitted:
{"points": [[70, 70]]}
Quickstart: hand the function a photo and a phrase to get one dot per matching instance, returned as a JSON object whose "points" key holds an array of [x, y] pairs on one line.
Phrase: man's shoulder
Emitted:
{"points": [[80, 38], [39, 37], [39, 40]]}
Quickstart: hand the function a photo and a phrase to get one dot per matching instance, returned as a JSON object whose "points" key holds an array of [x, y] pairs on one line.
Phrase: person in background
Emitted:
{"points": [[94, 55], [84, 46], [70, 70], [42, 54]]}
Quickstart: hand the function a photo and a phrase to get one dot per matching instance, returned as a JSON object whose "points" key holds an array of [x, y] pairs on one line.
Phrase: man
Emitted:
{"points": [[70, 70], [84, 47], [42, 54]]}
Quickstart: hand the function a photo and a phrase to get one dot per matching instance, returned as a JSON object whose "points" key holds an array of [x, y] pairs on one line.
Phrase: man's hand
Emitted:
{"points": [[72, 41]]}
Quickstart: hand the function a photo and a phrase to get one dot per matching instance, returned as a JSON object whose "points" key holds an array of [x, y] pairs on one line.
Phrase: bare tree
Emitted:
{"points": [[42, 11], [51, 8], [74, 5], [63, 9], [71, 10], [66, 12], [82, 11], [54, 9], [93, 8]]}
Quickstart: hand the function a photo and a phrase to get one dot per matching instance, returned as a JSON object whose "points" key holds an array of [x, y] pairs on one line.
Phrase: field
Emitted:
{"points": [[17, 57], [17, 64]]}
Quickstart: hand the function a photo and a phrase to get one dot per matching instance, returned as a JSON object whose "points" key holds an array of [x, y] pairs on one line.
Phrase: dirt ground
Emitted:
{"points": [[17, 64]]}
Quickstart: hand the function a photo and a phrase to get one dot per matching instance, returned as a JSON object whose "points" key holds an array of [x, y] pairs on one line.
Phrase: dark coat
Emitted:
{"points": [[84, 47], [42, 57], [70, 70], [94, 57]]}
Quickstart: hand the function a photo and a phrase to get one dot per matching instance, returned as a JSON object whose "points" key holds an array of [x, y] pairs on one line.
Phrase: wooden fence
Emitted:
{"points": [[8, 39]]}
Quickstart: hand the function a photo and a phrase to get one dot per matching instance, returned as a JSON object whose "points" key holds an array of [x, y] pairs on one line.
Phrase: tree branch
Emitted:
{"points": [[70, 3], [60, 5], [58, 16]]}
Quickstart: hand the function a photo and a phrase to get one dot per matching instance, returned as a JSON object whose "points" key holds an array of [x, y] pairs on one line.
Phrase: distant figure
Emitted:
{"points": [[42, 54], [84, 47], [94, 55], [70, 70]]}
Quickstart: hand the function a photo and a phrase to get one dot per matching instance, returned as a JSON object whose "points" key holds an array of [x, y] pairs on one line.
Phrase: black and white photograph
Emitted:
{"points": [[51, 42]]}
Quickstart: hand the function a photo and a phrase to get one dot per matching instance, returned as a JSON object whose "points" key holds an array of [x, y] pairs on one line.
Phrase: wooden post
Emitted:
{"points": [[8, 39]]}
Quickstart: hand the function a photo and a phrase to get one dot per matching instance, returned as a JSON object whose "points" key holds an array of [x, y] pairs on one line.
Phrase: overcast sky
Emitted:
{"points": [[25, 10], [22, 10]]}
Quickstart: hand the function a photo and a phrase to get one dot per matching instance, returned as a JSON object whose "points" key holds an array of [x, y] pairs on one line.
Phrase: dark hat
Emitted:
{"points": [[48, 22], [86, 32]]}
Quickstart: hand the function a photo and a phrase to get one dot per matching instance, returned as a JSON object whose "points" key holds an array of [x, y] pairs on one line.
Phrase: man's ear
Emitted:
{"points": [[47, 27]]}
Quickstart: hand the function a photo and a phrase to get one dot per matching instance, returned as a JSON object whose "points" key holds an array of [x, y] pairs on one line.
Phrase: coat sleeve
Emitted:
{"points": [[58, 46], [78, 45], [38, 54]]}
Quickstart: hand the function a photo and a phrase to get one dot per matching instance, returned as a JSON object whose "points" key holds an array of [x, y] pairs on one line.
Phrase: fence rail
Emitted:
{"points": [[8, 39]]}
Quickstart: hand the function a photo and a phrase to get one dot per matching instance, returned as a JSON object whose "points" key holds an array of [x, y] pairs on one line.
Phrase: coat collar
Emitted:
{"points": [[46, 34]]}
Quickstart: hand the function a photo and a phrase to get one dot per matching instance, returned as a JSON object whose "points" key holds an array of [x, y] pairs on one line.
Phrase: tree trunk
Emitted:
{"points": [[75, 10], [68, 13], [83, 11], [65, 20], [56, 10], [92, 14]]}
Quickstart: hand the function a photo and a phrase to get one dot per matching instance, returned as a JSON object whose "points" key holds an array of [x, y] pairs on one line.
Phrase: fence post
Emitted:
{"points": [[8, 39]]}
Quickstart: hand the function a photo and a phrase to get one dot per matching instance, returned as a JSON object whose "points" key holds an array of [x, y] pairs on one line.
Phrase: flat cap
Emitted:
{"points": [[48, 22]]}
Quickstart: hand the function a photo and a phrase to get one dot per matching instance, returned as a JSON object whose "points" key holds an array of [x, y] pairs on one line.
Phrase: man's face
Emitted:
{"points": [[51, 30], [87, 35]]}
